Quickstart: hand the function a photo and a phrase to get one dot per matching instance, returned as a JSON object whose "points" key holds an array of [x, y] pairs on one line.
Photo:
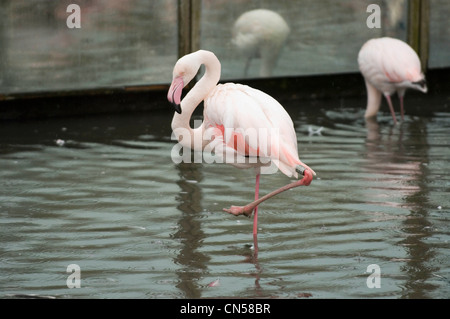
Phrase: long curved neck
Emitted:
{"points": [[188, 137], [373, 100]]}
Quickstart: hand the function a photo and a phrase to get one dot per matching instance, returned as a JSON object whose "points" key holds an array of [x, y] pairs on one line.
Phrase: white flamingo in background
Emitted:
{"points": [[230, 110], [389, 65], [261, 34]]}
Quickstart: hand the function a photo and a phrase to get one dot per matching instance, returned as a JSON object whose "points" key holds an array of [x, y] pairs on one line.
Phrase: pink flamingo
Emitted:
{"points": [[389, 65], [231, 111]]}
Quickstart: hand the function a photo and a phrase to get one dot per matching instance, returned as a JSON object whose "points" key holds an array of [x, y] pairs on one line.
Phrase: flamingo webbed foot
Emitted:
{"points": [[239, 210], [307, 178]]}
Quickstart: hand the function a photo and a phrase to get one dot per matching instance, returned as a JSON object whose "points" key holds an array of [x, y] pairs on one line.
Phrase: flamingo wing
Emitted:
{"points": [[253, 124], [387, 61]]}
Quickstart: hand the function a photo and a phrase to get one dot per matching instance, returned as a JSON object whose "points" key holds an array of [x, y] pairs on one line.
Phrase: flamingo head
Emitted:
{"points": [[184, 71], [420, 85]]}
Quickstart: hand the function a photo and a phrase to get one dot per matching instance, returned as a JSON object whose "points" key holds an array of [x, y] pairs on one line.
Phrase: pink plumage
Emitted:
{"points": [[389, 65], [239, 107], [239, 121]]}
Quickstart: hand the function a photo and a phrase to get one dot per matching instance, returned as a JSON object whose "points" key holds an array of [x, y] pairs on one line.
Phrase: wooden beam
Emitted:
{"points": [[424, 35], [418, 29], [184, 33], [189, 13]]}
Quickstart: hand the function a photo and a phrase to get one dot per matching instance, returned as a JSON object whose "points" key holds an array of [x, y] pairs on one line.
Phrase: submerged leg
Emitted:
{"points": [[401, 94], [247, 209], [401, 106], [388, 98]]}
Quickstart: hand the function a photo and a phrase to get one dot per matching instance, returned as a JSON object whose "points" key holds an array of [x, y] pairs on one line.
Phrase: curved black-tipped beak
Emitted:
{"points": [[421, 83], [177, 107], [174, 94]]}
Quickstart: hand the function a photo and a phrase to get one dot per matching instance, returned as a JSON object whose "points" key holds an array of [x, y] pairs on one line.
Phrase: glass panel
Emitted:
{"points": [[324, 37], [439, 34], [120, 42]]}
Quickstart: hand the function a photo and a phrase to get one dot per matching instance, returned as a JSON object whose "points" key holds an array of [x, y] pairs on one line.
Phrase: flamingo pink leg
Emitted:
{"points": [[401, 106], [388, 98], [255, 217], [248, 209]]}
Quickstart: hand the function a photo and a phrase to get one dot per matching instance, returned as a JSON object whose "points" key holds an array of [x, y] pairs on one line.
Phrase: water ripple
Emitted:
{"points": [[140, 226]]}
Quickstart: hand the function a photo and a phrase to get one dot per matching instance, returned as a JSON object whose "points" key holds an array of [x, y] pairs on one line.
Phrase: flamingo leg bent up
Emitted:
{"points": [[248, 209]]}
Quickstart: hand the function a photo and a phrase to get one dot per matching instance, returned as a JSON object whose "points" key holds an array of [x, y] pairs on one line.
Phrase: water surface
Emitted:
{"points": [[102, 192]]}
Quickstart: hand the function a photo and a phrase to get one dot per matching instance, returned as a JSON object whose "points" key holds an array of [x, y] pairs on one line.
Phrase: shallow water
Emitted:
{"points": [[102, 192]]}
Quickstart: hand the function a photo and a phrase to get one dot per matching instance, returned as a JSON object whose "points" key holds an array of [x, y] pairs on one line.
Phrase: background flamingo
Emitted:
{"points": [[389, 65], [261, 34], [229, 110]]}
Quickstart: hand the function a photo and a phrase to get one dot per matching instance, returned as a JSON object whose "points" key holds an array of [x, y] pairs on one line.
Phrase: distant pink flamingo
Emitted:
{"points": [[230, 111], [389, 65], [260, 33]]}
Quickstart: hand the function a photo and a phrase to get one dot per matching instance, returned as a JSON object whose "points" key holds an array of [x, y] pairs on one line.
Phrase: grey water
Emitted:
{"points": [[103, 193]]}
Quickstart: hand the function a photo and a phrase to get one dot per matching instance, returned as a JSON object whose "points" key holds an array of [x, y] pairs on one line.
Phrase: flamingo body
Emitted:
{"points": [[389, 65], [238, 120], [239, 108], [260, 33]]}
